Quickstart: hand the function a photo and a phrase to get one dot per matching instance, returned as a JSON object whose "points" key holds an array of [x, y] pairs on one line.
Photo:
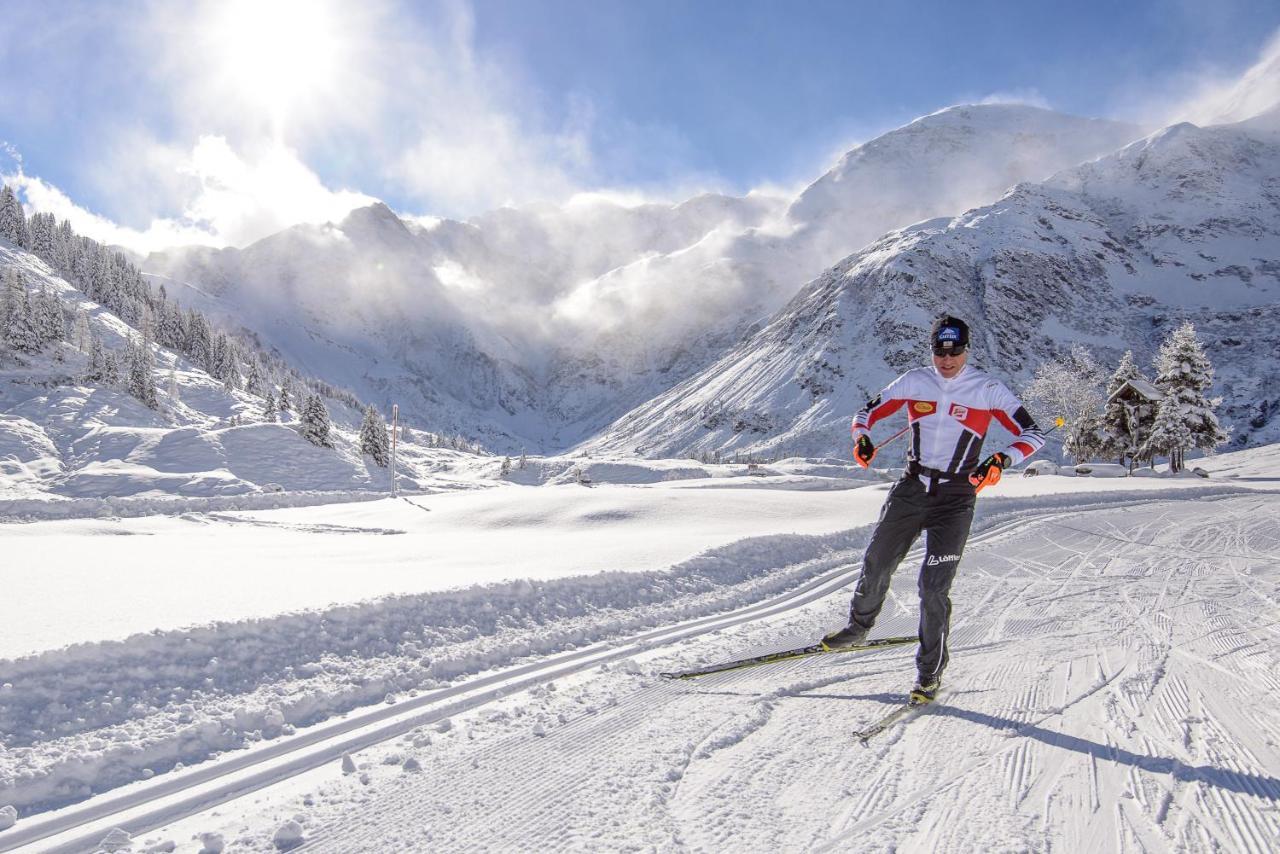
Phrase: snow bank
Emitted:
{"points": [[31, 509]]}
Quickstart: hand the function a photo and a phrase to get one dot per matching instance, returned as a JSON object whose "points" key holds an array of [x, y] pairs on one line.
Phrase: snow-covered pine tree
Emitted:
{"points": [[374, 438], [198, 347], [523, 460], [175, 395], [219, 359], [110, 370], [314, 426], [13, 221], [286, 394], [22, 329], [40, 230], [506, 467], [1185, 417], [230, 373], [253, 382], [269, 407], [1070, 387], [169, 331], [46, 316], [141, 365], [95, 370]]}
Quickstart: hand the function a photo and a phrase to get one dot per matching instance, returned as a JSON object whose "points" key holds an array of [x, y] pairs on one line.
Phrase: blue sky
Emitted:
{"points": [[231, 119]]}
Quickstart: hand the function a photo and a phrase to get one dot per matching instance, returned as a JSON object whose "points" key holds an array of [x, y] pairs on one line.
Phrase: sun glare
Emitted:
{"points": [[282, 55]]}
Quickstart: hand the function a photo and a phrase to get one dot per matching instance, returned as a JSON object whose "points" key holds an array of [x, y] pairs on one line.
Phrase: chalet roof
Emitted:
{"points": [[1140, 387]]}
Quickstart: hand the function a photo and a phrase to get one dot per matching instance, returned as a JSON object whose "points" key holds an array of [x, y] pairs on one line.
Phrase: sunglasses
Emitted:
{"points": [[948, 351]]}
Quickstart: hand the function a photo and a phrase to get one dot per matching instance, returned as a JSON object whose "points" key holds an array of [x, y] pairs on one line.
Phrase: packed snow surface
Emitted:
{"points": [[1109, 636]]}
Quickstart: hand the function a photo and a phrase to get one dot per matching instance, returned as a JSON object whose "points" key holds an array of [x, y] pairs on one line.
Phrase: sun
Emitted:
{"points": [[282, 56]]}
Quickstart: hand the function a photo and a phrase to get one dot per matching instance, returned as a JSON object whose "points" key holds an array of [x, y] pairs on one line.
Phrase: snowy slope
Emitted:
{"points": [[75, 448], [1113, 254], [535, 328], [542, 694]]}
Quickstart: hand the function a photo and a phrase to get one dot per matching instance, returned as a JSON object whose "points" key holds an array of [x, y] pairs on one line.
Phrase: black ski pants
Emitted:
{"points": [[943, 511]]}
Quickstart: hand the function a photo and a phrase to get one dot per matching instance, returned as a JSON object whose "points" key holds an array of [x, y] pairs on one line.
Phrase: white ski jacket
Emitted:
{"points": [[949, 418]]}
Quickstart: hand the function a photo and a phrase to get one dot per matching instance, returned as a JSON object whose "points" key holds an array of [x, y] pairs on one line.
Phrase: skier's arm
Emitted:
{"points": [[1013, 416], [884, 404]]}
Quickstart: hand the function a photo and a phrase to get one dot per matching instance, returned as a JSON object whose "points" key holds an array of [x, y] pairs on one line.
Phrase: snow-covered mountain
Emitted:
{"points": [[537, 327], [1184, 224]]}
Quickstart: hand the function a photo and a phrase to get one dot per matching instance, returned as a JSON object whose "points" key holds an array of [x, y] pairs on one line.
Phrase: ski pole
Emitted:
{"points": [[894, 436]]}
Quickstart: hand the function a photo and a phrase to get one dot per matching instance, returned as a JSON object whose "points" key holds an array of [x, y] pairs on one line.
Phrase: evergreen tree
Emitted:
{"points": [[13, 221], [21, 325], [95, 372], [374, 438], [141, 365], [42, 232], [253, 383], [175, 395], [110, 370], [46, 316], [219, 358], [269, 408], [314, 425], [169, 331], [506, 467], [286, 394], [1185, 417], [199, 347]]}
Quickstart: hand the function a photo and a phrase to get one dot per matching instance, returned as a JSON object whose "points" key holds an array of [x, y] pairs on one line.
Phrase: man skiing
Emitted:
{"points": [[949, 407]]}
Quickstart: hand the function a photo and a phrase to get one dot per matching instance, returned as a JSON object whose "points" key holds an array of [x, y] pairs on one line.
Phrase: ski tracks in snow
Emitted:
{"points": [[1111, 688]]}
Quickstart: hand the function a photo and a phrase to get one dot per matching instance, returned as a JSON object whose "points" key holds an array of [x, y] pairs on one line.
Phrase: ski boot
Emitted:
{"points": [[851, 635], [925, 691]]}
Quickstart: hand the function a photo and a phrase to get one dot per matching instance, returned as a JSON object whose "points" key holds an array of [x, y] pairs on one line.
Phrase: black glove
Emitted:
{"points": [[988, 471], [864, 451]]}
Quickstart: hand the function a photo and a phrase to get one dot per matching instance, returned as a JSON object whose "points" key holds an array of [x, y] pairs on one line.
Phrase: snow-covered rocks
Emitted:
{"points": [[211, 843], [8, 816], [287, 836]]}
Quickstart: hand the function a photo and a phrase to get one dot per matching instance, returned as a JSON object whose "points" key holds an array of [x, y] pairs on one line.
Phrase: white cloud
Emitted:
{"points": [[1030, 97], [236, 199], [1220, 100], [244, 198]]}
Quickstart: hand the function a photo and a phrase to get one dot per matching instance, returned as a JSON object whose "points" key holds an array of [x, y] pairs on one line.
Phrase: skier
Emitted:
{"points": [[949, 408]]}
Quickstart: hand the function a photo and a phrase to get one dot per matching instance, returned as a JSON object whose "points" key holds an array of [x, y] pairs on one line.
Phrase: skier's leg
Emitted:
{"points": [[901, 520], [946, 532]]}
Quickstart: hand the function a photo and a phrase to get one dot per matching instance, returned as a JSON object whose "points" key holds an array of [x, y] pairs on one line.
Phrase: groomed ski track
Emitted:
{"points": [[1107, 667], [1110, 690]]}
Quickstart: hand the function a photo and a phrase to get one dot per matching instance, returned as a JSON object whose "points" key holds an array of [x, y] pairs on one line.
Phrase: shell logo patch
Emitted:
{"points": [[924, 407]]}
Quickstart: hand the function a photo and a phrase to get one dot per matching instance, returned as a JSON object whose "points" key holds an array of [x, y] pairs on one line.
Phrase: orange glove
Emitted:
{"points": [[864, 451], [988, 471]]}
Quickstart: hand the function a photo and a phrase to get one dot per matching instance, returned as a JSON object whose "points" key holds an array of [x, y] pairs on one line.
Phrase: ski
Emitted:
{"points": [[864, 736], [787, 654]]}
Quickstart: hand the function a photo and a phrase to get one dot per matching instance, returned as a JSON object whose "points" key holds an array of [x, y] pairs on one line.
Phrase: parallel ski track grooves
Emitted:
{"points": [[326, 742], [1134, 727], [330, 740]]}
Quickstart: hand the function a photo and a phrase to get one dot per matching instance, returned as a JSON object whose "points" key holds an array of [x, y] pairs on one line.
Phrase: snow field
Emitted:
{"points": [[1103, 670], [96, 716]]}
